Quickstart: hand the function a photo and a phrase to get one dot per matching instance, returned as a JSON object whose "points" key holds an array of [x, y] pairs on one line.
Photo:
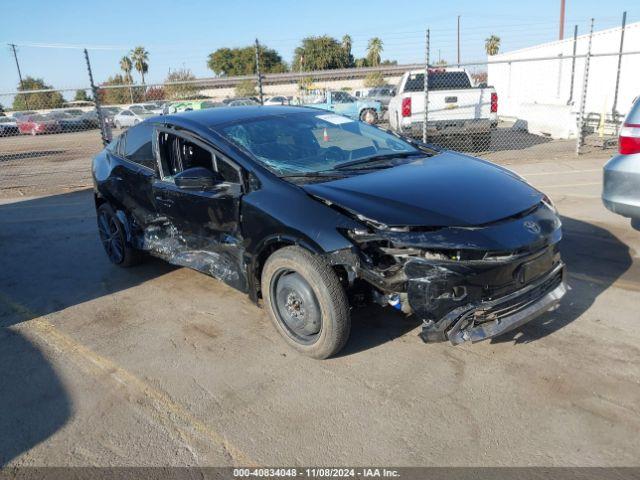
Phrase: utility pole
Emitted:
{"points": [[15, 55], [561, 33], [258, 72], [458, 40], [614, 109]]}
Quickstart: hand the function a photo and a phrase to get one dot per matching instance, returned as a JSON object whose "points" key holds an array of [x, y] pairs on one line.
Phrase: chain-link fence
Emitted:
{"points": [[556, 100]]}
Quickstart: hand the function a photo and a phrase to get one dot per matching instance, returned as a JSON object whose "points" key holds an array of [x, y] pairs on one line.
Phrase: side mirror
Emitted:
{"points": [[197, 178]]}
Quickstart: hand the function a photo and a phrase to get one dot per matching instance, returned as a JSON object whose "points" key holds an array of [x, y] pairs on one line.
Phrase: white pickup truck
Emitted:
{"points": [[456, 107]]}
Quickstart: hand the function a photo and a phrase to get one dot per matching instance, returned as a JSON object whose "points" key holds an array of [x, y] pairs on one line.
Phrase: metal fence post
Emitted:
{"points": [[426, 87], [573, 64], [258, 72], [105, 131], [583, 99], [614, 109]]}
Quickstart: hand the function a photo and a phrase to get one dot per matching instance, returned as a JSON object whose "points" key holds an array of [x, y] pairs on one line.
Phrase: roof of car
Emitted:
{"points": [[215, 116]]}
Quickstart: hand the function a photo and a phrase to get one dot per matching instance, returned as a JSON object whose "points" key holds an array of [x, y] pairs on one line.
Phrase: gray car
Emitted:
{"points": [[382, 95], [621, 189]]}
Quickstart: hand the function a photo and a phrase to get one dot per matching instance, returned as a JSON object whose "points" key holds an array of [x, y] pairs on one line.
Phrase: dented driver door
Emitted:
{"points": [[202, 225]]}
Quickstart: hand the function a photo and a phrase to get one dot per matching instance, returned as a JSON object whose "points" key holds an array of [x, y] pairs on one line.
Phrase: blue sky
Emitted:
{"points": [[182, 33]]}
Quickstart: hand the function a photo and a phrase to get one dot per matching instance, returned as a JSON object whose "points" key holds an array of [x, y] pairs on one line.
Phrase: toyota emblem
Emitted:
{"points": [[533, 227]]}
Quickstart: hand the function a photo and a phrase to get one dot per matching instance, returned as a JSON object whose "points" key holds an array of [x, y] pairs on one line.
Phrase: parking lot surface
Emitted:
{"points": [[158, 365]]}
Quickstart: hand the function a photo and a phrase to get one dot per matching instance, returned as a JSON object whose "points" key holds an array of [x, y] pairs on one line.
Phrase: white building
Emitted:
{"points": [[539, 93]]}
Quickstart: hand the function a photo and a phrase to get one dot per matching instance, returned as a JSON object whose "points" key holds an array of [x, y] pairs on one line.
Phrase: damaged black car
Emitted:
{"points": [[312, 214]]}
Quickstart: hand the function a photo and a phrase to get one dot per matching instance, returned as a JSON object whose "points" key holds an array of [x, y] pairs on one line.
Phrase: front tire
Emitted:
{"points": [[306, 302], [113, 238]]}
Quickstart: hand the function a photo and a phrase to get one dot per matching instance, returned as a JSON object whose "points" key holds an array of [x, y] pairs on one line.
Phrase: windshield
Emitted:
{"points": [[312, 142]]}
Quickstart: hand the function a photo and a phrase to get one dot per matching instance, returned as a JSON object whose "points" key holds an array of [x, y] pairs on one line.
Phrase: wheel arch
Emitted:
{"points": [[265, 249]]}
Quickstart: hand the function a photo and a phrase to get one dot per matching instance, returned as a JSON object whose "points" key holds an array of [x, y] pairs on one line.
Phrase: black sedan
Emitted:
{"points": [[315, 214]]}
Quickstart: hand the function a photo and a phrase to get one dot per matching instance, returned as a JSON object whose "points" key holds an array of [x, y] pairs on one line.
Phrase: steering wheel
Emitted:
{"points": [[334, 154]]}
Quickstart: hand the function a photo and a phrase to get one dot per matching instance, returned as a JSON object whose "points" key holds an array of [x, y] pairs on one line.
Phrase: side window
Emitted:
{"points": [[138, 147], [178, 154]]}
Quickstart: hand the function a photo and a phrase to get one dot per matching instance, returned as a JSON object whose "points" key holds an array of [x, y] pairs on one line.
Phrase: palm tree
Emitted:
{"points": [[492, 45], [126, 66], [347, 43], [140, 59], [374, 49]]}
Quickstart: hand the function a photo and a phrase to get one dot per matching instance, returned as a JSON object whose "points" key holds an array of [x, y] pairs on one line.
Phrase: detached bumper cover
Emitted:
{"points": [[488, 319]]}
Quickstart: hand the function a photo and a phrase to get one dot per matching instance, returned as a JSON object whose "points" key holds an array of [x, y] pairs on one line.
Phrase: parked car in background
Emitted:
{"points": [[109, 114], [188, 105], [130, 117], [316, 214], [68, 122], [277, 100], [24, 113], [38, 124], [76, 112], [456, 108], [381, 94], [621, 185], [8, 126], [143, 108], [242, 102], [343, 103]]}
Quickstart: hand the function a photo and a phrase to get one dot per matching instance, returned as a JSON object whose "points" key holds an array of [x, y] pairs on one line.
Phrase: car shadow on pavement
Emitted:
{"points": [[374, 325], [595, 259], [33, 399], [52, 259]]}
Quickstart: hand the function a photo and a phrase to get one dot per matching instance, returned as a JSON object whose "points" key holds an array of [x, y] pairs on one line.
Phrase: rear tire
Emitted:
{"points": [[481, 142], [306, 302], [114, 240], [369, 116]]}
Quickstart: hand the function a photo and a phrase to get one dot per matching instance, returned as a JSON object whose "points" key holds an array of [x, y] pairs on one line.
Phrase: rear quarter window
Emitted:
{"points": [[438, 81]]}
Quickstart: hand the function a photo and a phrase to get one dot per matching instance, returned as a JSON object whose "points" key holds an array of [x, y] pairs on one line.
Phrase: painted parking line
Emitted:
{"points": [[561, 172], [171, 413], [620, 283]]}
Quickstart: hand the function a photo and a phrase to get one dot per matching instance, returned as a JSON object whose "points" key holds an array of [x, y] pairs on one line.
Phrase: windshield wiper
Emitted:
{"points": [[319, 173], [376, 158]]}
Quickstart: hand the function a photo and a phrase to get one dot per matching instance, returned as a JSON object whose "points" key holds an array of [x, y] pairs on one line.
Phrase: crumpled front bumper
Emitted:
{"points": [[488, 319]]}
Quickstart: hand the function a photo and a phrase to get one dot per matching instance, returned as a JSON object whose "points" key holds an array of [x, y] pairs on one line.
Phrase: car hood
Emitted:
{"points": [[448, 189]]}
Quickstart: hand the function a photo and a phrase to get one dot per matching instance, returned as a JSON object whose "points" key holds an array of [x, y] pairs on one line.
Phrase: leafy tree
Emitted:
{"points": [[347, 43], [320, 53], [242, 61], [180, 91], [374, 79], [374, 50], [492, 45], [361, 62], [126, 66], [246, 89], [140, 60], [38, 100], [155, 93], [121, 95], [441, 63], [305, 83], [81, 96]]}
